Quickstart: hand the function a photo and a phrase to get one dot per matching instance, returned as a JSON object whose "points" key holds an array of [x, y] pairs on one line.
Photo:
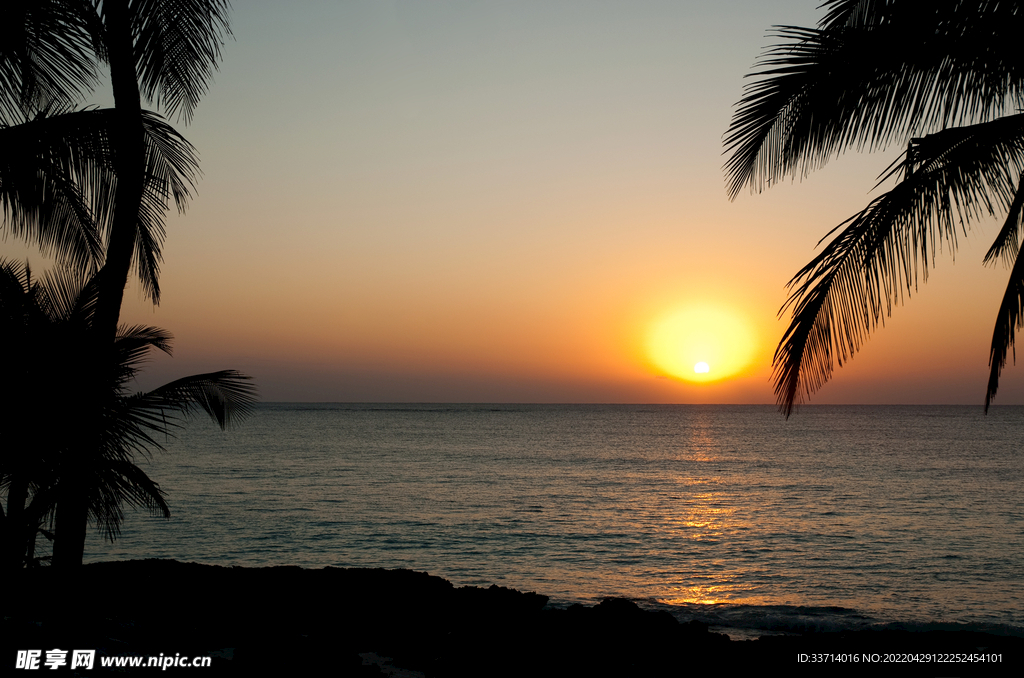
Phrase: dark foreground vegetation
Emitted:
{"points": [[293, 621]]}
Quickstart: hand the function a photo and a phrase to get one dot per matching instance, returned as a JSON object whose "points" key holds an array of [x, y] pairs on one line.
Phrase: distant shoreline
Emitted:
{"points": [[330, 621]]}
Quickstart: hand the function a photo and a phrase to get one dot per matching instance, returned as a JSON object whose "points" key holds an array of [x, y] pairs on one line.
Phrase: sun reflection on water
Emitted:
{"points": [[695, 595], [702, 514]]}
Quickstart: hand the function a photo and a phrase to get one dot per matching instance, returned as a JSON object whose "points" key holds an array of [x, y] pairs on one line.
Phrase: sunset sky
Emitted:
{"points": [[501, 201]]}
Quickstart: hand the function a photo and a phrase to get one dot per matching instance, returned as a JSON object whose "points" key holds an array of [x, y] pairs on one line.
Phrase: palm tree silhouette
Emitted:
{"points": [[48, 323], [163, 51], [943, 78], [93, 187], [57, 184]]}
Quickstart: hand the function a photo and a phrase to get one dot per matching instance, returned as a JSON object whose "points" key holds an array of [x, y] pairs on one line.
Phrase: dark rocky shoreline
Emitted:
{"points": [[290, 621]]}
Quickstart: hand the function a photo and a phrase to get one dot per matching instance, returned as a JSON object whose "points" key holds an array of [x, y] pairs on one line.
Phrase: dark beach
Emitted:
{"points": [[362, 622]]}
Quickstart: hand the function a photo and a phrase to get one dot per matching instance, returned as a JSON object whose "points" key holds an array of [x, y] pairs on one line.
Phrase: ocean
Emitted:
{"points": [[842, 517]]}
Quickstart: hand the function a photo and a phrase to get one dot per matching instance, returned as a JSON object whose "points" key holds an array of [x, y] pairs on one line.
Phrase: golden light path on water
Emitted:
{"points": [[703, 516]]}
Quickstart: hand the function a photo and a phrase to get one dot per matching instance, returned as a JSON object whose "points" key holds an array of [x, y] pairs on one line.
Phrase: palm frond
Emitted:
{"points": [[1006, 242], [134, 341], [862, 13], [172, 163], [68, 297], [862, 82], [847, 12], [46, 55], [950, 179], [177, 48], [53, 170], [133, 344], [171, 170], [58, 186], [118, 484], [1009, 319], [15, 287], [226, 396], [172, 166]]}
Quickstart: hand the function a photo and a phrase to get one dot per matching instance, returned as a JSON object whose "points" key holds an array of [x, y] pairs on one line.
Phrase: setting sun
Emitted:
{"points": [[701, 343]]}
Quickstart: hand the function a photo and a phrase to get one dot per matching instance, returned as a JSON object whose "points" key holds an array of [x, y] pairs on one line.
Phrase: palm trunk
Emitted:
{"points": [[129, 164], [128, 142], [71, 522]]}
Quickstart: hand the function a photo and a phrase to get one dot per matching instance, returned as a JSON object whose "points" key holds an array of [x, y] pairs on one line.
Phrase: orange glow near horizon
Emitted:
{"points": [[458, 219], [701, 343]]}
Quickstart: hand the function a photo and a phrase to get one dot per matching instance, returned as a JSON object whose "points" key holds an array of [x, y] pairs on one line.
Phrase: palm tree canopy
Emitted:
{"points": [[177, 48], [84, 182], [47, 321], [873, 72], [57, 186], [46, 55], [941, 78], [50, 51]]}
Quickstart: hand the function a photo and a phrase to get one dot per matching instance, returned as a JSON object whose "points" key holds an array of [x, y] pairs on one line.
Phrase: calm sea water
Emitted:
{"points": [[839, 517]]}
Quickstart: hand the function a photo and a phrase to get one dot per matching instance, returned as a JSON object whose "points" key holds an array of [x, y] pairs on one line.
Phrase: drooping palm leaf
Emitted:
{"points": [[950, 178], [67, 297], [177, 47], [118, 484], [172, 167], [46, 55], [871, 74], [58, 186], [226, 396], [1006, 242], [171, 170], [133, 344], [53, 171], [1009, 319]]}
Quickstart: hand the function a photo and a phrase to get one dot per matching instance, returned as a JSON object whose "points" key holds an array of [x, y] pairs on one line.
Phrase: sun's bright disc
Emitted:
{"points": [[701, 343]]}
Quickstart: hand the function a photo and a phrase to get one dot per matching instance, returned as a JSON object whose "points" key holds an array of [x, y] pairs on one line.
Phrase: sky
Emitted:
{"points": [[510, 201]]}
